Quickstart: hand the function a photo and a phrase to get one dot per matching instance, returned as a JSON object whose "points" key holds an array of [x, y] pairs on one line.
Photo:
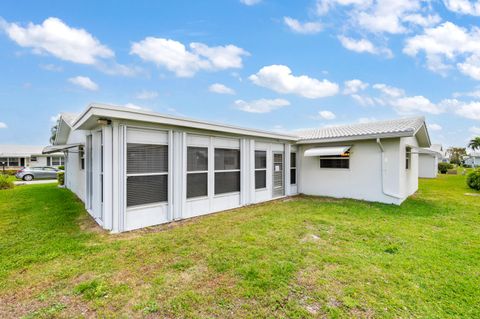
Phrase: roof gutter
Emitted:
{"points": [[382, 150]]}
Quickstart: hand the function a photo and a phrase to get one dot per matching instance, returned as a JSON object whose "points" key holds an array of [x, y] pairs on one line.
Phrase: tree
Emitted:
{"points": [[53, 133], [475, 143], [456, 154]]}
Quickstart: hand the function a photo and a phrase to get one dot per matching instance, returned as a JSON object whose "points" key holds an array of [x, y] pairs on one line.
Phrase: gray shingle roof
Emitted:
{"points": [[389, 128]]}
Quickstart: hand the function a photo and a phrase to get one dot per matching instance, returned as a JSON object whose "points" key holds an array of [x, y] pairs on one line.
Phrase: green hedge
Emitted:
{"points": [[61, 178], [473, 179], [444, 167]]}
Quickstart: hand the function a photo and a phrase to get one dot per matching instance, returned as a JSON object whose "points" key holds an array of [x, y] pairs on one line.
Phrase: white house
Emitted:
{"points": [[18, 156], [135, 168], [473, 159], [428, 159]]}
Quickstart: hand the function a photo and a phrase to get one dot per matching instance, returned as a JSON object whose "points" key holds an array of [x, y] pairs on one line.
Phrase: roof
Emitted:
{"points": [[95, 111], [383, 129], [69, 118], [20, 150], [474, 154], [429, 151], [57, 148], [65, 124]]}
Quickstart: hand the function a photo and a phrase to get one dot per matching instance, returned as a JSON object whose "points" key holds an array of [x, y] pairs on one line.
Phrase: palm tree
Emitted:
{"points": [[475, 143]]}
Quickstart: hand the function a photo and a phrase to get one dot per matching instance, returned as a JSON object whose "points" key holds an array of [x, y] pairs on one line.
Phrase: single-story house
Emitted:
{"points": [[136, 168], [19, 156], [428, 159], [473, 159]]}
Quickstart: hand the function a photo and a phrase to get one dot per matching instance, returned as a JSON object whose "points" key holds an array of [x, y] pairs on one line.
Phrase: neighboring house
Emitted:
{"points": [[428, 159], [473, 159], [18, 156], [135, 168]]}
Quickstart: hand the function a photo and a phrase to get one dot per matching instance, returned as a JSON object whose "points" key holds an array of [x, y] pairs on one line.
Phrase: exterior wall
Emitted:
{"points": [[363, 180], [473, 161], [41, 161], [74, 174], [427, 166], [408, 177]]}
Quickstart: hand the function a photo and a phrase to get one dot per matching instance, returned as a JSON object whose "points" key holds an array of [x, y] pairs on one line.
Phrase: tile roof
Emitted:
{"points": [[389, 128]]}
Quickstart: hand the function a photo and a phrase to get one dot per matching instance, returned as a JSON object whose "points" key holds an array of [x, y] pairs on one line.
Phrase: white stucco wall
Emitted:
{"points": [[427, 166], [363, 180], [408, 177], [74, 174]]}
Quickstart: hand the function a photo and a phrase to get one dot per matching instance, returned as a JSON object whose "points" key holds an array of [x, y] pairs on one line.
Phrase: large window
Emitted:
{"points": [[337, 161], [293, 168], [197, 172], [147, 174], [408, 157], [13, 161], [260, 169], [227, 170], [57, 160]]}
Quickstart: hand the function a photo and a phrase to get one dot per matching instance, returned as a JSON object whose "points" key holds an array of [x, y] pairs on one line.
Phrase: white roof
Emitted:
{"points": [[20, 150], [382, 129], [69, 118], [327, 151], [474, 154]]}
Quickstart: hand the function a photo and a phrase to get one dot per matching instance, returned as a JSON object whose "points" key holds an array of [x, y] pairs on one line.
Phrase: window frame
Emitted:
{"points": [[336, 157], [127, 175], [293, 168], [260, 169], [408, 157], [215, 171], [196, 172]]}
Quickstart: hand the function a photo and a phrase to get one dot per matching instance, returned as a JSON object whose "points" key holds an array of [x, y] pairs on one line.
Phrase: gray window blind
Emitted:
{"points": [[143, 190], [13, 161], [260, 159], [227, 182], [334, 162], [197, 184], [260, 169], [227, 159], [260, 179], [147, 158], [197, 159]]}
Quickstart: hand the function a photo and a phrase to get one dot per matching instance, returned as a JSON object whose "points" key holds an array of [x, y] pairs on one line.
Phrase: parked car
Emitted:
{"points": [[31, 173]]}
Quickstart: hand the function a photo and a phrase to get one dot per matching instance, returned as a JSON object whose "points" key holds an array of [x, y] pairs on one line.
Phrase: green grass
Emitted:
{"points": [[298, 258]]}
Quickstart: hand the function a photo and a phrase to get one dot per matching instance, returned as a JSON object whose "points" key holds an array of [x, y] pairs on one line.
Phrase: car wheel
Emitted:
{"points": [[28, 178]]}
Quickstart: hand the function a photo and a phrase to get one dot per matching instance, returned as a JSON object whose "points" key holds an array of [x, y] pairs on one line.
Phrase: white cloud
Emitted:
{"points": [[299, 27], [220, 89], [434, 127], [54, 37], [54, 118], [260, 106], [324, 6], [469, 110], [423, 21], [3, 125], [146, 95], [415, 104], [389, 90], [175, 57], [327, 115], [463, 6], [363, 46], [279, 78], [354, 86], [474, 130], [444, 44], [364, 100], [84, 82], [51, 67], [250, 2]]}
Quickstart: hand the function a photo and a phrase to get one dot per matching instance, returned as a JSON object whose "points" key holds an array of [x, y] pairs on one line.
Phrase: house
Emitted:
{"points": [[136, 168], [13, 157], [428, 159], [473, 159]]}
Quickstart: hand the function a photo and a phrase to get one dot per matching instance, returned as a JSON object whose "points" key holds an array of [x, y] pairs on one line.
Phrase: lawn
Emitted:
{"points": [[297, 258]]}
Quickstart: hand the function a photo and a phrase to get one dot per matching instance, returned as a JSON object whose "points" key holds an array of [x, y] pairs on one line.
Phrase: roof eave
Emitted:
{"points": [[356, 137]]}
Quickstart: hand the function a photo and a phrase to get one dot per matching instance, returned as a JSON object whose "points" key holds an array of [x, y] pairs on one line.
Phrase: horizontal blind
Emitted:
{"points": [[227, 159], [227, 182], [197, 184], [197, 159], [334, 162], [143, 190], [147, 158]]}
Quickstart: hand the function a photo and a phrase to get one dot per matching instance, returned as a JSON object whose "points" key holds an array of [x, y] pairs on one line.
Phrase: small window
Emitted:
{"points": [[13, 161], [260, 169], [336, 161], [408, 157], [227, 170], [33, 159], [49, 160], [293, 168], [197, 172], [147, 174], [81, 156]]}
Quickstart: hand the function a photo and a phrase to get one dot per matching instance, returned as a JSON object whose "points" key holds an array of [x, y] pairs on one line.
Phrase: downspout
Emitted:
{"points": [[382, 150]]}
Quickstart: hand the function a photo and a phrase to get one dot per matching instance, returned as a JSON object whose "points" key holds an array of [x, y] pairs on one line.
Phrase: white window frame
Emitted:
{"points": [[345, 158], [261, 169], [197, 172], [408, 157], [294, 167], [226, 171]]}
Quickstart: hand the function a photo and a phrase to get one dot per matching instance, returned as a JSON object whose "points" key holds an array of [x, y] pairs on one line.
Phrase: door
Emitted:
{"points": [[278, 175]]}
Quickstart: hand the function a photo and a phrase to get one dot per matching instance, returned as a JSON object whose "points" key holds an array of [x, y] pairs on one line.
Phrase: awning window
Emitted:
{"points": [[57, 148], [327, 151]]}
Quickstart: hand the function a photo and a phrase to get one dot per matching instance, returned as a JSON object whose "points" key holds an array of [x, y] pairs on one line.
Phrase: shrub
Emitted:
{"points": [[61, 178], [473, 179], [11, 172], [6, 182], [444, 167], [61, 167]]}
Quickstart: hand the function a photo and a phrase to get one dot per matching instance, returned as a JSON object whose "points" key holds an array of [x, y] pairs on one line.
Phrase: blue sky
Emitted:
{"points": [[277, 65]]}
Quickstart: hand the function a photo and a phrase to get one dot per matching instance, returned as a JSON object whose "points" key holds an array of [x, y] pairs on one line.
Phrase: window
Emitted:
{"points": [[260, 169], [147, 174], [336, 161], [227, 171], [13, 161], [33, 158], [197, 172], [49, 160], [293, 168], [56, 161], [408, 157], [81, 156]]}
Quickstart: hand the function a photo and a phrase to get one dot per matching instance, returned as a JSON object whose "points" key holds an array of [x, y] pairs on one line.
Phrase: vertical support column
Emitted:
{"points": [[252, 171], [108, 173], [211, 173], [171, 172], [243, 172], [287, 149], [178, 176], [119, 178]]}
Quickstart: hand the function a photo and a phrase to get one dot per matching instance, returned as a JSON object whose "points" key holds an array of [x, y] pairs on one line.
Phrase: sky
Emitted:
{"points": [[273, 65]]}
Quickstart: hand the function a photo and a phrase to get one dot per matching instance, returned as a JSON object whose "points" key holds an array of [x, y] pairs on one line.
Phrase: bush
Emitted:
{"points": [[6, 182], [61, 167], [8, 171], [61, 178], [473, 179], [444, 167]]}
